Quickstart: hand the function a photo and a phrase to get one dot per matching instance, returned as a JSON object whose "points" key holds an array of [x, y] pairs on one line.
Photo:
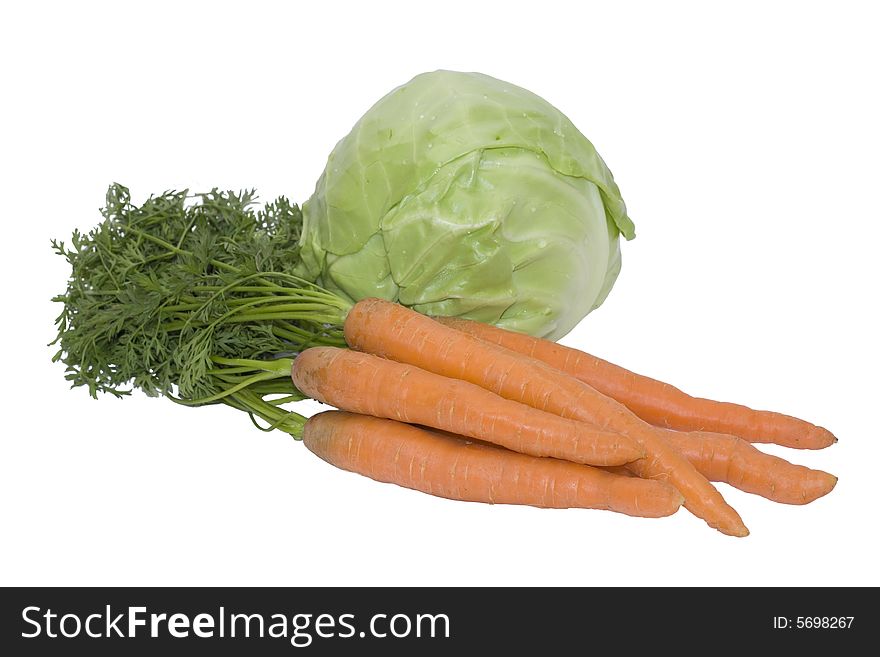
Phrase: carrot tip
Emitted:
{"points": [[821, 438], [738, 532], [832, 482]]}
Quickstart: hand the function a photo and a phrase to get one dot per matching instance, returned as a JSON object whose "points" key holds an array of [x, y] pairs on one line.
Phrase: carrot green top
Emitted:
{"points": [[189, 296]]}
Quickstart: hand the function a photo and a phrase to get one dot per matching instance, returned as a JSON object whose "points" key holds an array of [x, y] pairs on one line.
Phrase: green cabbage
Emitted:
{"points": [[459, 194]]}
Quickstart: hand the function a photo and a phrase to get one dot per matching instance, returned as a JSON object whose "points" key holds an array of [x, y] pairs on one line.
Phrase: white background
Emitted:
{"points": [[745, 142]]}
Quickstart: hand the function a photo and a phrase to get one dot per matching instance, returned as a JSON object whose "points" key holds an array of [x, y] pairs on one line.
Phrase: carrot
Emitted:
{"points": [[390, 330], [722, 457], [654, 401], [367, 384], [454, 468]]}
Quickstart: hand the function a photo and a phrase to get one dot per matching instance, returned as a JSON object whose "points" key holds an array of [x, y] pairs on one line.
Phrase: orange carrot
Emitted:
{"points": [[392, 331], [734, 461], [722, 457], [457, 469], [654, 401], [367, 384]]}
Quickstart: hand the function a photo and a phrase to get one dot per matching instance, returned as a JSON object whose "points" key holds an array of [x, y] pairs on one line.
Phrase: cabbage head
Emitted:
{"points": [[459, 194]]}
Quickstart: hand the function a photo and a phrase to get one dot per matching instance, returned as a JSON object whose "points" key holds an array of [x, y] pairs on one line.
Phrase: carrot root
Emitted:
{"points": [[454, 468], [370, 385], [729, 459], [392, 331], [658, 403]]}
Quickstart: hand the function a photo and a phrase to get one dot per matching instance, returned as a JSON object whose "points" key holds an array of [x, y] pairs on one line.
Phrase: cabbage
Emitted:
{"points": [[459, 194]]}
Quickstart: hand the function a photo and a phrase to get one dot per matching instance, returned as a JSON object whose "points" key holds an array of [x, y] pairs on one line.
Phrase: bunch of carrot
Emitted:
{"points": [[469, 411], [191, 298]]}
